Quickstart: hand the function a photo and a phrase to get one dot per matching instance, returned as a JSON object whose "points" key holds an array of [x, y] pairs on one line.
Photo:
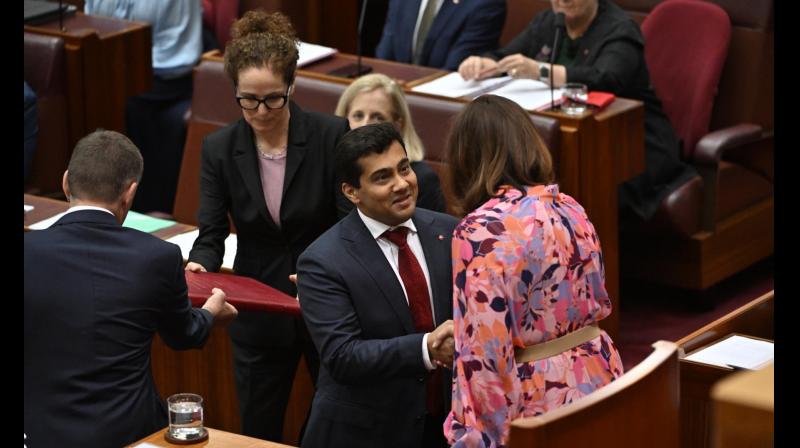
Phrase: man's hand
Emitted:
{"points": [[194, 267], [293, 279], [222, 311], [477, 67], [441, 345]]}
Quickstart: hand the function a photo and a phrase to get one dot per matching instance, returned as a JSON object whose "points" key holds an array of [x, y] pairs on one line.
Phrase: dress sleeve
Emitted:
{"points": [[486, 387]]}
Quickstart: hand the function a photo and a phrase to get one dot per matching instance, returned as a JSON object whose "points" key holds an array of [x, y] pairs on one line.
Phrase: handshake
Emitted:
{"points": [[441, 345]]}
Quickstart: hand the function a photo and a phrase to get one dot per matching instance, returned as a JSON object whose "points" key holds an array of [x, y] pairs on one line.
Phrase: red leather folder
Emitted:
{"points": [[600, 99], [244, 293]]}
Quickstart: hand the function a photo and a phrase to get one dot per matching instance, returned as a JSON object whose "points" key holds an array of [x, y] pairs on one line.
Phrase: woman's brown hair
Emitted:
{"points": [[260, 39], [493, 142]]}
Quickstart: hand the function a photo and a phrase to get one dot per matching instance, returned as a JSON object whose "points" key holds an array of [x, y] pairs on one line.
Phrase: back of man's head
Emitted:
{"points": [[370, 139], [103, 165]]}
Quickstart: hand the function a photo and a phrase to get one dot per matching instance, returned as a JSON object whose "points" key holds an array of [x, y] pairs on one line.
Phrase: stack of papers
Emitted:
{"points": [[312, 52], [529, 94], [736, 351]]}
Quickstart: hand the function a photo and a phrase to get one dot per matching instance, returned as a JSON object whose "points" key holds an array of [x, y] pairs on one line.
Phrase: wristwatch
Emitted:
{"points": [[544, 73]]}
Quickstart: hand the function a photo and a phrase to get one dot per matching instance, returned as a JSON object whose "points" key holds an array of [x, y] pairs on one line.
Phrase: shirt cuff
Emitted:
{"points": [[425, 356]]}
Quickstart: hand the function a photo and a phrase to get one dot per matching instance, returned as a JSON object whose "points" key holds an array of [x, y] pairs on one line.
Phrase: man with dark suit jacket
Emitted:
{"points": [[440, 33], [376, 294], [95, 294]]}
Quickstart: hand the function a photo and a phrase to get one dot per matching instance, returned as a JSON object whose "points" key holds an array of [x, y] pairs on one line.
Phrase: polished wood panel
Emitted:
{"points": [[216, 439], [638, 409], [756, 318], [107, 61], [744, 410]]}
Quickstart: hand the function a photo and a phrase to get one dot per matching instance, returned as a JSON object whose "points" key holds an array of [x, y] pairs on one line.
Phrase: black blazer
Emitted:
{"points": [[430, 189], [371, 386], [95, 293], [230, 185]]}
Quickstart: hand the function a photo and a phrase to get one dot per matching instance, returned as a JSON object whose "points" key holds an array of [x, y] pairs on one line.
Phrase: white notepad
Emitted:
{"points": [[736, 351]]}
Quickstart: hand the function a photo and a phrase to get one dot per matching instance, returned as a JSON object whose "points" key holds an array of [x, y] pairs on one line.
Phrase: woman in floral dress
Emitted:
{"points": [[529, 282]]}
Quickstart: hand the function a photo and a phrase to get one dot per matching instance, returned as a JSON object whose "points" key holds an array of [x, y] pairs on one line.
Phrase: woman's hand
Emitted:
{"points": [[477, 67], [519, 67], [195, 267]]}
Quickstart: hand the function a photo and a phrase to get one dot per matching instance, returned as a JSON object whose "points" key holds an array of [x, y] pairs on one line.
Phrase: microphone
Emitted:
{"points": [[357, 69], [559, 23]]}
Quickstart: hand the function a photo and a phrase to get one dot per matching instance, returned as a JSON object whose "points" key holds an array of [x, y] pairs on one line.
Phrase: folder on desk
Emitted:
{"points": [[244, 293]]}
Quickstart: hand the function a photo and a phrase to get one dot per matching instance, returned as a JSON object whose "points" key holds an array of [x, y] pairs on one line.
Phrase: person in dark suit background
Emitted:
{"points": [[376, 98], [95, 293], [30, 128], [440, 33], [272, 171], [376, 294]]}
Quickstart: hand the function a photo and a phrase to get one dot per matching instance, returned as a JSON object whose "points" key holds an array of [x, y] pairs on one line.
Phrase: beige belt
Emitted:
{"points": [[558, 345]]}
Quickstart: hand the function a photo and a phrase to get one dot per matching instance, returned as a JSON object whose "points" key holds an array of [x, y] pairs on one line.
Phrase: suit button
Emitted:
{"points": [[419, 418], [421, 379]]}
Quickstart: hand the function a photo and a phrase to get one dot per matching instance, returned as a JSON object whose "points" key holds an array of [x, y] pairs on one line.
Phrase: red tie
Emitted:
{"points": [[420, 304]]}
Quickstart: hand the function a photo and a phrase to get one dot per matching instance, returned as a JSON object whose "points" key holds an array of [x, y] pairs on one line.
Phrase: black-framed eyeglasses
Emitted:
{"points": [[270, 102]]}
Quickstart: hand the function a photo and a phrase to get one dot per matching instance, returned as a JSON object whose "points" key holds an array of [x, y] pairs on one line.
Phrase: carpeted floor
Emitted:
{"points": [[652, 312]]}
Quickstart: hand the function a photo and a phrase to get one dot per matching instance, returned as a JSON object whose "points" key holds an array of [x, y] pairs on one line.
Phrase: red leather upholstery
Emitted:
{"points": [[685, 66], [45, 72], [218, 15]]}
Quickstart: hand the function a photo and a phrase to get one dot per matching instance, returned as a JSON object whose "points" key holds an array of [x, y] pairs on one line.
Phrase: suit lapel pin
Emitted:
{"points": [[455, 2], [441, 237]]}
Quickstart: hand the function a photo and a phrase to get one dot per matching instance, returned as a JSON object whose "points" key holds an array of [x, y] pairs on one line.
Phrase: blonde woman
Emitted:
{"points": [[376, 98]]}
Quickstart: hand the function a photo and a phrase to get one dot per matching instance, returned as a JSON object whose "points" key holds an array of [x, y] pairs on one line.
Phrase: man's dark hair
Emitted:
{"points": [[370, 139], [103, 165]]}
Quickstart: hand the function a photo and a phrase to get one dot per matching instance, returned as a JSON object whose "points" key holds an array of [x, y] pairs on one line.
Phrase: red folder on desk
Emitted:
{"points": [[244, 293]]}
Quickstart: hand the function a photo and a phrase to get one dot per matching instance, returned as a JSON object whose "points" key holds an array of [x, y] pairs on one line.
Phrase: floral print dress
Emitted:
{"points": [[527, 268]]}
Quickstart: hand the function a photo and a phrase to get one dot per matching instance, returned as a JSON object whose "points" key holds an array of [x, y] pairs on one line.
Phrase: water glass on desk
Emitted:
{"points": [[185, 419], [573, 98]]}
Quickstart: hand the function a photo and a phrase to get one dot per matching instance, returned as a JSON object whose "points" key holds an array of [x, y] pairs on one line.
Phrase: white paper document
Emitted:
{"points": [[529, 94], [27, 208], [454, 86], [312, 53], [186, 240], [736, 351]]}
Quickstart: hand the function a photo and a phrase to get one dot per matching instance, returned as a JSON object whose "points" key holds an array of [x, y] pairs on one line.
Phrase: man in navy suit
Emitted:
{"points": [[95, 294], [440, 33], [378, 308]]}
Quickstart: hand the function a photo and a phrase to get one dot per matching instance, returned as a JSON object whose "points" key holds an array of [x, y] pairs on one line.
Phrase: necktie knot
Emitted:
{"points": [[398, 236]]}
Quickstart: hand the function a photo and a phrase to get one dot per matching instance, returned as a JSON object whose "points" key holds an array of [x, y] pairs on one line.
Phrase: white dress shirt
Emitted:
{"points": [[392, 254]]}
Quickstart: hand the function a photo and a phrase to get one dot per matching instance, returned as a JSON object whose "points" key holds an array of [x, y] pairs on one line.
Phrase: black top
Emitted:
{"points": [[430, 190], [610, 57]]}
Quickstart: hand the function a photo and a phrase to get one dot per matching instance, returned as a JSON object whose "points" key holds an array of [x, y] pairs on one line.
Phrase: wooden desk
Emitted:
{"points": [[207, 371], [216, 439], [755, 319], [744, 409], [107, 61]]}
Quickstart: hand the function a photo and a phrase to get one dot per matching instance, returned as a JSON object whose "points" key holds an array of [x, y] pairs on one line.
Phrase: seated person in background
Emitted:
{"points": [[155, 119], [376, 295], [95, 295], [440, 33], [529, 285], [604, 49], [376, 98], [30, 129]]}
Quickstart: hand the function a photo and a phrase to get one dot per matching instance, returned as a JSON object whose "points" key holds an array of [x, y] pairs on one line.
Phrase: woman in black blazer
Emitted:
{"points": [[272, 172]]}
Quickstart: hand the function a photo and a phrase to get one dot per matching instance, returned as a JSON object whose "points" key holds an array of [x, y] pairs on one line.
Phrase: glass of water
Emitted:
{"points": [[573, 98], [185, 419]]}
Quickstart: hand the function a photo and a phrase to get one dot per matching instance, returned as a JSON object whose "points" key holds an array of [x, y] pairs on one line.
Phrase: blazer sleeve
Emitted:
{"points": [[385, 48], [212, 216], [482, 31], [615, 69], [335, 329], [181, 326]]}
